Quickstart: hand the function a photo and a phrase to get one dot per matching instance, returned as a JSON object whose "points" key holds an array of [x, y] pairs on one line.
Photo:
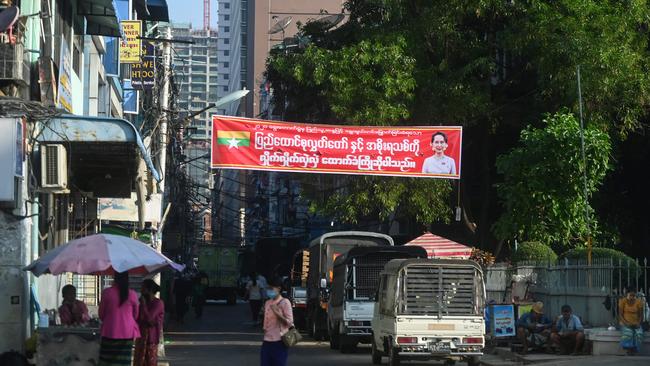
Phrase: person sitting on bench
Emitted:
{"points": [[533, 328], [568, 332]]}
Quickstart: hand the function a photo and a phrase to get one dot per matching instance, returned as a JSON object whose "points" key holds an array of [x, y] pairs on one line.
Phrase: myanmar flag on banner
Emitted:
{"points": [[233, 138]]}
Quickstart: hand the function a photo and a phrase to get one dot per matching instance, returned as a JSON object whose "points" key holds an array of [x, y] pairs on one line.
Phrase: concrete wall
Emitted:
{"points": [[14, 295]]}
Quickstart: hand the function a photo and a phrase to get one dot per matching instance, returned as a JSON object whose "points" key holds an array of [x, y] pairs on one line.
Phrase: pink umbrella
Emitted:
{"points": [[102, 254]]}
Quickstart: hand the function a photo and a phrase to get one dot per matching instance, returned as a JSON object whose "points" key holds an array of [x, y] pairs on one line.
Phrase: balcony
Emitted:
{"points": [[14, 66]]}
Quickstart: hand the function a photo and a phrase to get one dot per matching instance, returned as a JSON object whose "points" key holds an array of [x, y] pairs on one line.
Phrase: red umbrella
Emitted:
{"points": [[439, 247]]}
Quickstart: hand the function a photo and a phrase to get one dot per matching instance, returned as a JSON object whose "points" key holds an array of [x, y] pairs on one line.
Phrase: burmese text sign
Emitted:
{"points": [[130, 45], [427, 151], [143, 73]]}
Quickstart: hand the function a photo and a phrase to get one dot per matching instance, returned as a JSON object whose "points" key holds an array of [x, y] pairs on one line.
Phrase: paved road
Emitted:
{"points": [[224, 336]]}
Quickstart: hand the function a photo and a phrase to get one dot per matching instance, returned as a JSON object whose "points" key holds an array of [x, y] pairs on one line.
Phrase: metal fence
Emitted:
{"points": [[592, 290]]}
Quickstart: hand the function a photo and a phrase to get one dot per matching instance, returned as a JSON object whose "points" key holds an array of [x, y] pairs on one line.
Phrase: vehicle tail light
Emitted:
{"points": [[406, 340], [473, 340]]}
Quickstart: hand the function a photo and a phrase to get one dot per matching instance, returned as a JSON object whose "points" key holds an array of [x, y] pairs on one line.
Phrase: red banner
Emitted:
{"points": [[242, 143]]}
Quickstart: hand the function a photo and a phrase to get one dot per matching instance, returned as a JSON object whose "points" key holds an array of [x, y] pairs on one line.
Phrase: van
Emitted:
{"points": [[429, 309]]}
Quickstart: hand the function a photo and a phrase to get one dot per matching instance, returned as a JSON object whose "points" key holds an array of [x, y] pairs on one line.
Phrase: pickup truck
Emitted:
{"points": [[354, 287], [429, 309]]}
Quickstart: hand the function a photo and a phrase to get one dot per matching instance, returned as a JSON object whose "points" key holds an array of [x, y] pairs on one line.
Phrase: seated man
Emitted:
{"points": [[568, 333], [72, 311], [533, 328]]}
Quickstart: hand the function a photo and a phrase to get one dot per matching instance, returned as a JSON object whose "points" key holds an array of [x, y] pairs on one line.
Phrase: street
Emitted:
{"points": [[225, 337]]}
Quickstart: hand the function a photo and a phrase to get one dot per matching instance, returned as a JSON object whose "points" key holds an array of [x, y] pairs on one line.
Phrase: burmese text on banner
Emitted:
{"points": [[427, 151]]}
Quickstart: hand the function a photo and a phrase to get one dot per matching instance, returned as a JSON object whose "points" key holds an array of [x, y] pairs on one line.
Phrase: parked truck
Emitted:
{"points": [[323, 251], [353, 291], [429, 309], [220, 264], [298, 289]]}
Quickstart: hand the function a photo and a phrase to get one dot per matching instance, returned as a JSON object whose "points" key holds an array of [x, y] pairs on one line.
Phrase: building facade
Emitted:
{"points": [[62, 129], [248, 205]]}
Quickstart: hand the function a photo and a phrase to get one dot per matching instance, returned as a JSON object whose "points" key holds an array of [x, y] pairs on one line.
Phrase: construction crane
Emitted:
{"points": [[206, 15]]}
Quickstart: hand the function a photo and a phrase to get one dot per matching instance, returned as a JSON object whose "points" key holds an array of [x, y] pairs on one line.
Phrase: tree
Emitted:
{"points": [[543, 191], [488, 65]]}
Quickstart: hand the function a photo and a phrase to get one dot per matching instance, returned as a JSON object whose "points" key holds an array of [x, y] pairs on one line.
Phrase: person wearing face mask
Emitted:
{"points": [[278, 318]]}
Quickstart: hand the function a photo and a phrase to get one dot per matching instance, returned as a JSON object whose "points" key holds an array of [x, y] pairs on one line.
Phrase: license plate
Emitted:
{"points": [[439, 347]]}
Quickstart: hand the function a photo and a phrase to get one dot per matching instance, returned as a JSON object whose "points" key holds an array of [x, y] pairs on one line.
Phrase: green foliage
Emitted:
{"points": [[533, 251], [606, 253], [489, 65], [543, 187], [370, 82], [423, 199]]}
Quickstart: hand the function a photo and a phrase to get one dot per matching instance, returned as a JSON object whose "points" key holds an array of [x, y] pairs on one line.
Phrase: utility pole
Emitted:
{"points": [[584, 170], [164, 106]]}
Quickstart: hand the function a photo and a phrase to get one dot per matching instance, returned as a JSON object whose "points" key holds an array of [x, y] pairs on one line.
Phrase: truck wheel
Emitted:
{"points": [[232, 298], [376, 356], [393, 356], [316, 333], [335, 341], [348, 344], [474, 361]]}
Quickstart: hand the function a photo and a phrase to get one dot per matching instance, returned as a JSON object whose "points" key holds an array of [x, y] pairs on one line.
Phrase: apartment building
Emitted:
{"points": [[248, 204]]}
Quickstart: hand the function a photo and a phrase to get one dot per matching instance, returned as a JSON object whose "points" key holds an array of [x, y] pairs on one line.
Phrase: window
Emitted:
{"points": [[226, 41], [226, 53], [226, 76], [225, 88], [226, 5], [226, 64], [226, 17], [226, 29]]}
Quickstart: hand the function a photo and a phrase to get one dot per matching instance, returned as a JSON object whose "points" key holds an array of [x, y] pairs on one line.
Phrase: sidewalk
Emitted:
{"points": [[503, 357]]}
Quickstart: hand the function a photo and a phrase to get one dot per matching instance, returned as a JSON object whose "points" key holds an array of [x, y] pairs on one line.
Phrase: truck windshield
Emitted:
{"points": [[442, 290]]}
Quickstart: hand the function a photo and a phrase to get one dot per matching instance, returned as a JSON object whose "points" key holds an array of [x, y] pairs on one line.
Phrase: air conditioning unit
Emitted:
{"points": [[54, 167]]}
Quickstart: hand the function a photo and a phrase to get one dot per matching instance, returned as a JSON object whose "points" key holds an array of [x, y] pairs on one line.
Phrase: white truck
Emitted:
{"points": [[429, 309], [323, 251], [353, 290]]}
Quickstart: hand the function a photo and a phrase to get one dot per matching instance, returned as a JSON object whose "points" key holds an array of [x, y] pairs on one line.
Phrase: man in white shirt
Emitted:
{"points": [[439, 163]]}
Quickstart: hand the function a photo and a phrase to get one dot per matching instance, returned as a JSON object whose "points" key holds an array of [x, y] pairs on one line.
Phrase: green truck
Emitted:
{"points": [[220, 263]]}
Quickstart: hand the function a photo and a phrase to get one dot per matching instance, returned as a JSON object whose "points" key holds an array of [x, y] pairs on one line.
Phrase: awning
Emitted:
{"points": [[439, 247], [152, 10], [100, 149], [158, 10], [100, 17]]}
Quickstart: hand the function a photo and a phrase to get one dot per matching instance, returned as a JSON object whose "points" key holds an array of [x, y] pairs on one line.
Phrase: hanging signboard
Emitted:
{"points": [[130, 98], [130, 44], [428, 152], [64, 90], [142, 73]]}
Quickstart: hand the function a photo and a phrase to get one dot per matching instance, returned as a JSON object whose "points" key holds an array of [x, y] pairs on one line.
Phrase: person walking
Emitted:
{"points": [[278, 318], [199, 287], [254, 294], [182, 292], [150, 321], [118, 312]]}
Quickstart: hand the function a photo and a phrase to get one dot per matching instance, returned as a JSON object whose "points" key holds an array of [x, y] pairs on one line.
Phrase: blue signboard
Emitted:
{"points": [[503, 320]]}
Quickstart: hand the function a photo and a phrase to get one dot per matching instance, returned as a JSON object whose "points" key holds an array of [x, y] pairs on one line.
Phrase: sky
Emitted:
{"points": [[184, 11]]}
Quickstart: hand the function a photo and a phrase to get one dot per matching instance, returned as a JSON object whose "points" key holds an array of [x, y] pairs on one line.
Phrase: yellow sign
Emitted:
{"points": [[130, 44]]}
